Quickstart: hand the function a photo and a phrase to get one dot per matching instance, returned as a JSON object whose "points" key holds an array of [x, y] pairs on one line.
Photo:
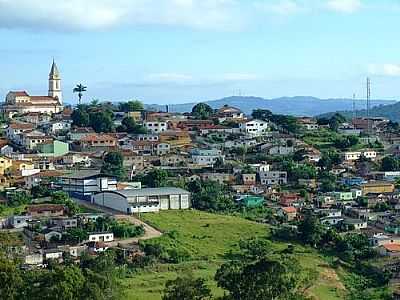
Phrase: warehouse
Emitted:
{"points": [[144, 200]]}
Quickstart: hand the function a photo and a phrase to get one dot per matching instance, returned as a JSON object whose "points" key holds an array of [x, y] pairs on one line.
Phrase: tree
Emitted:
{"points": [[186, 287], [80, 118], [390, 163], [39, 191], [202, 111], [63, 198], [101, 121], [113, 165], [311, 230], [129, 125], [211, 196], [335, 121], [346, 142], [80, 88], [278, 278], [133, 105], [10, 280], [19, 198], [156, 178], [261, 114]]}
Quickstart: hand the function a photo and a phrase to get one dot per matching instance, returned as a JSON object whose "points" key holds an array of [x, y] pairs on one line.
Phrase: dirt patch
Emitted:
{"points": [[332, 277]]}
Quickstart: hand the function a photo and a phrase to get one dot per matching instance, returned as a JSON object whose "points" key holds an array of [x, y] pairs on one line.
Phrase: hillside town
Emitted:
{"points": [[80, 180]]}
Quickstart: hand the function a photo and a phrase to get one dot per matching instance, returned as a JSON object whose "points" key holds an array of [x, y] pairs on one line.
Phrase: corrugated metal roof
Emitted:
{"points": [[163, 191]]}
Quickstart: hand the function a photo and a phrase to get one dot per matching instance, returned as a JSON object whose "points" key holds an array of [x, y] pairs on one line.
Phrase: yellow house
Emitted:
{"points": [[21, 165], [5, 164], [176, 138], [136, 115], [377, 187], [4, 183]]}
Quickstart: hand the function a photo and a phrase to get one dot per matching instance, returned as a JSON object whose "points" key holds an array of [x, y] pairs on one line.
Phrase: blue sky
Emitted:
{"points": [[174, 51]]}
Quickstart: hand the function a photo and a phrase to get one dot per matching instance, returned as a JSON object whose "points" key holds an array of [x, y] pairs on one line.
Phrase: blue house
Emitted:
{"points": [[351, 181]]}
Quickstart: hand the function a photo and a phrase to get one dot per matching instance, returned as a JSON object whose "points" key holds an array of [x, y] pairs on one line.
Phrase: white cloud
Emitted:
{"points": [[344, 6], [384, 69], [105, 14], [282, 7]]}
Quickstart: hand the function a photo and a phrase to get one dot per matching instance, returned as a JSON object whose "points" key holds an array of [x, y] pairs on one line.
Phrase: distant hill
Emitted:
{"points": [[297, 106], [389, 111]]}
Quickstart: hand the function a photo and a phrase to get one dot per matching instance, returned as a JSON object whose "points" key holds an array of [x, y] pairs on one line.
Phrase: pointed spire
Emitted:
{"points": [[54, 73]]}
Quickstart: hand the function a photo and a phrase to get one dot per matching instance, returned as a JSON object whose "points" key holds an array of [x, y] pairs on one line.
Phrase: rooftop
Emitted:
{"points": [[163, 191], [81, 174]]}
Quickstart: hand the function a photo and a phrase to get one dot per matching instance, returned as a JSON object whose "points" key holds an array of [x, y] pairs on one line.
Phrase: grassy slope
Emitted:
{"points": [[208, 237]]}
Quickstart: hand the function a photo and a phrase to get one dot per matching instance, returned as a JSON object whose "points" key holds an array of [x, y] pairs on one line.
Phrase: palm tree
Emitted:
{"points": [[95, 102], [80, 88]]}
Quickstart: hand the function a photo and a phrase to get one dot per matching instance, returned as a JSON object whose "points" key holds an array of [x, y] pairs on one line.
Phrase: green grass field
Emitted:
{"points": [[207, 237]]}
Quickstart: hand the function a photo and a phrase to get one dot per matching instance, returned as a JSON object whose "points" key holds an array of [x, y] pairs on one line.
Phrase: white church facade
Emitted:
{"points": [[20, 102]]}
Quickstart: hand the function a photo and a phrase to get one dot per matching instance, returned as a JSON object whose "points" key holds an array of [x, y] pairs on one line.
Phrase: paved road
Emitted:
{"points": [[150, 232]]}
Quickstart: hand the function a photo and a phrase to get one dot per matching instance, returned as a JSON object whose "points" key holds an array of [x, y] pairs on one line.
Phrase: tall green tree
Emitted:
{"points": [[80, 89], [10, 280], [390, 163], [202, 111], [211, 196], [311, 230], [129, 125], [261, 114], [156, 178], [113, 165], [101, 121], [80, 117]]}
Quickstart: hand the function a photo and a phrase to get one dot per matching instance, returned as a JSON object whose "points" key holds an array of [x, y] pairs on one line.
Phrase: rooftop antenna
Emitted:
{"points": [[354, 106]]}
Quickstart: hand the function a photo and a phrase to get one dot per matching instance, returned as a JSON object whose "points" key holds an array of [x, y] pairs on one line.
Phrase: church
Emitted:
{"points": [[20, 102]]}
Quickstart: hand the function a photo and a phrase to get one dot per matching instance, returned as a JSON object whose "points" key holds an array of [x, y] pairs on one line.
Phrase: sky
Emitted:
{"points": [[177, 51]]}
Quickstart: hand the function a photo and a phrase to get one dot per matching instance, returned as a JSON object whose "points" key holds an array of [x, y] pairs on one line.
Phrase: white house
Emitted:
{"points": [[355, 155], [14, 130], [273, 177], [57, 126], [254, 127], [101, 237], [280, 150], [156, 126], [206, 157]]}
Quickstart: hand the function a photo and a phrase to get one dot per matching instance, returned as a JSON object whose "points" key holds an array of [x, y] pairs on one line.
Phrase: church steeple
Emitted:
{"points": [[55, 83], [54, 73]]}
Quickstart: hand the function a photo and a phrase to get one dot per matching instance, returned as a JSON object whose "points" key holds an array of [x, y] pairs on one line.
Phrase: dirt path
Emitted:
{"points": [[150, 232]]}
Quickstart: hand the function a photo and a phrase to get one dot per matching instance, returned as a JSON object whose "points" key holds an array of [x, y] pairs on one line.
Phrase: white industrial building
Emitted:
{"points": [[144, 200], [84, 183]]}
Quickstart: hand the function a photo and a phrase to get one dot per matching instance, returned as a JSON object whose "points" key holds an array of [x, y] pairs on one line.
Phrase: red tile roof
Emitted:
{"points": [[20, 93], [289, 209], [21, 126], [45, 207], [392, 247]]}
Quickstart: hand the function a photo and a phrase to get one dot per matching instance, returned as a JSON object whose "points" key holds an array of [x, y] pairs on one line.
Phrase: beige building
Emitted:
{"points": [[20, 102]]}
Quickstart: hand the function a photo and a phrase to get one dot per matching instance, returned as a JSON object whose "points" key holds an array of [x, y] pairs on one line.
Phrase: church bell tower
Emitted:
{"points": [[55, 83]]}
